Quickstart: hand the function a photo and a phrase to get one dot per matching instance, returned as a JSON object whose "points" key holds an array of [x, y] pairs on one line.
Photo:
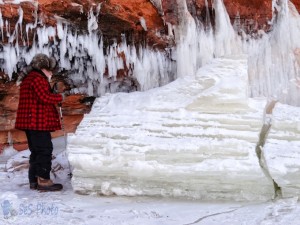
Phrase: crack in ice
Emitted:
{"points": [[211, 215], [261, 142]]}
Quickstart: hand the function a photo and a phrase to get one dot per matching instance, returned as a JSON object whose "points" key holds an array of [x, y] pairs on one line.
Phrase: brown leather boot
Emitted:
{"points": [[33, 185], [47, 185]]}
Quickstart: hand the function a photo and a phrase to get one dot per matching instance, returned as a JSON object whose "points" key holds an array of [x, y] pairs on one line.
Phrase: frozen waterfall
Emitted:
{"points": [[274, 58]]}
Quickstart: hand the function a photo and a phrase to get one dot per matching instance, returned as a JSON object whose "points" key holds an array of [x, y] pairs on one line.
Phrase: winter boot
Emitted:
{"points": [[32, 178], [33, 185], [48, 185]]}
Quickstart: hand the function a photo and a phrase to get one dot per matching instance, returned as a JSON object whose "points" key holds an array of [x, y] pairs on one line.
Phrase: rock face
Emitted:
{"points": [[143, 22]]}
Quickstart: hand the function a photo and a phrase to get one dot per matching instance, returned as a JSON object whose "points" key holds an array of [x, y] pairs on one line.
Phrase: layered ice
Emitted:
{"points": [[193, 138]]}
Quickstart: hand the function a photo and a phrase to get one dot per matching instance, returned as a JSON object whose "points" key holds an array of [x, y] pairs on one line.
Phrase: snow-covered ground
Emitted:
{"points": [[32, 207]]}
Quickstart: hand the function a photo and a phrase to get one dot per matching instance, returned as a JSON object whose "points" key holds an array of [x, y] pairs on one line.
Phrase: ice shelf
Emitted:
{"points": [[193, 138]]}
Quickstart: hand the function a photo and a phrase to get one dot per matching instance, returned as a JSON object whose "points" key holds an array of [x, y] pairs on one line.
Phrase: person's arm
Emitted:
{"points": [[41, 88]]}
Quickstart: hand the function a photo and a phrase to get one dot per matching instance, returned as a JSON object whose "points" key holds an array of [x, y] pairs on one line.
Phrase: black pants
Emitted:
{"points": [[41, 148]]}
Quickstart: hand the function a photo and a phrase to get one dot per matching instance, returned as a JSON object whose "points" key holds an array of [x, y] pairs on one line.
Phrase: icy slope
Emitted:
{"points": [[195, 137]]}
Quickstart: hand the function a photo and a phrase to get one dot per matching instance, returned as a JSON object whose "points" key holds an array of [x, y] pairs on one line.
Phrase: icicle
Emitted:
{"points": [[1, 26], [31, 26], [186, 42], [11, 59], [226, 41], [20, 20], [93, 19], [9, 139], [275, 77], [207, 19], [143, 23], [158, 5], [170, 30], [237, 22], [84, 56]]}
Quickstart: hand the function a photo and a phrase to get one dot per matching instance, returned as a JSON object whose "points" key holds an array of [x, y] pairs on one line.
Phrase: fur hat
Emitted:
{"points": [[42, 61]]}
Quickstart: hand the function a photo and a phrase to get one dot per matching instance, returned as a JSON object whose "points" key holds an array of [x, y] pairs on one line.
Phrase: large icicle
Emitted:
{"points": [[274, 59], [226, 40]]}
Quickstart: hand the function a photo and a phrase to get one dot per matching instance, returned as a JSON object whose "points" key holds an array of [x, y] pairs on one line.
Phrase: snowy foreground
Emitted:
{"points": [[66, 207], [195, 138]]}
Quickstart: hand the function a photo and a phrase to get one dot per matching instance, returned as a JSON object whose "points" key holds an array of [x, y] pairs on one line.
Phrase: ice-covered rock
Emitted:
{"points": [[195, 137]]}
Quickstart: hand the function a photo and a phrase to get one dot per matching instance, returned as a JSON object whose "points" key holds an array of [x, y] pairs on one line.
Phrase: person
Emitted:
{"points": [[37, 115]]}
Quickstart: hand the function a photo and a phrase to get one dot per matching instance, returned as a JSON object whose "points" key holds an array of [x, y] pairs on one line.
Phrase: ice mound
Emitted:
{"points": [[193, 138]]}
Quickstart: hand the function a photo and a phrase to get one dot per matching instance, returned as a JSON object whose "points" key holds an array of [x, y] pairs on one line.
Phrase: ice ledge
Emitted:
{"points": [[195, 138]]}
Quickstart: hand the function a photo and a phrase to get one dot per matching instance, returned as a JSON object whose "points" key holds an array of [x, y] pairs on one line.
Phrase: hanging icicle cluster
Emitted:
{"points": [[83, 55]]}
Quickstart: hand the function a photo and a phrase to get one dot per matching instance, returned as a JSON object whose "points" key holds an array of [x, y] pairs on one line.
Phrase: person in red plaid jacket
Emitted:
{"points": [[37, 115]]}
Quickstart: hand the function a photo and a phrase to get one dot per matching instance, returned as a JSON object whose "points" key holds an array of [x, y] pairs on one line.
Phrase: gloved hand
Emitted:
{"points": [[58, 87], [55, 88], [63, 96]]}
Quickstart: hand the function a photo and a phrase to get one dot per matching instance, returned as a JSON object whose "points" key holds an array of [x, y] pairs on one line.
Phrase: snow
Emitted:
{"points": [[66, 207]]}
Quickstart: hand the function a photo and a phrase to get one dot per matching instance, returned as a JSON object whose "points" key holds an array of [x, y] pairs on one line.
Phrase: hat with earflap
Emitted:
{"points": [[41, 61]]}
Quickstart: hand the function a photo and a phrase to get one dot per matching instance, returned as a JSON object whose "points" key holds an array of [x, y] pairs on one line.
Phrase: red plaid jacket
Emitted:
{"points": [[37, 110]]}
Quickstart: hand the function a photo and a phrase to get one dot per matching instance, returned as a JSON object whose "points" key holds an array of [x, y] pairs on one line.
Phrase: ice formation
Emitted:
{"points": [[274, 57], [192, 138], [281, 150], [83, 54], [197, 137]]}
